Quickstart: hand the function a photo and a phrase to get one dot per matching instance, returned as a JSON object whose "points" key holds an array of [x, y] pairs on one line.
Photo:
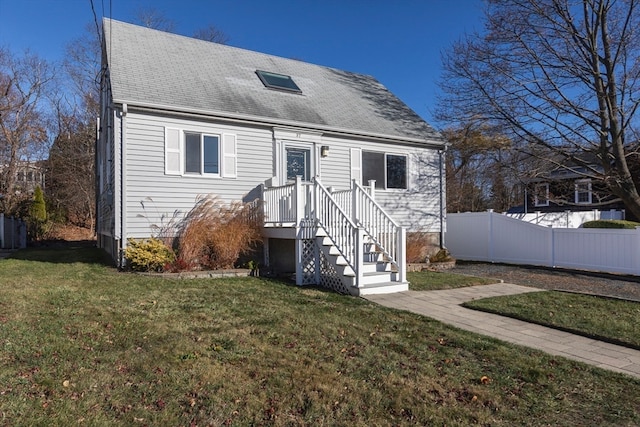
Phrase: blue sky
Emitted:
{"points": [[397, 41]]}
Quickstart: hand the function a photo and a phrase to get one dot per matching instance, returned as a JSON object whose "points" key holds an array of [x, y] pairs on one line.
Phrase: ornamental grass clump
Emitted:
{"points": [[214, 234], [418, 246], [148, 255]]}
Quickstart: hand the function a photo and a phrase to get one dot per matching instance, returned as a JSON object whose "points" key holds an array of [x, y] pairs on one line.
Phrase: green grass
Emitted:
{"points": [[606, 319], [433, 280], [81, 344]]}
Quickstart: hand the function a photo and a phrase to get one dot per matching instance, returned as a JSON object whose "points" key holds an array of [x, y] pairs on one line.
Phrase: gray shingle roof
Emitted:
{"points": [[154, 68]]}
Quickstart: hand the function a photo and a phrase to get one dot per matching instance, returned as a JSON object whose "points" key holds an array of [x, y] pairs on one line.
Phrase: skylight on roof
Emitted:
{"points": [[278, 81]]}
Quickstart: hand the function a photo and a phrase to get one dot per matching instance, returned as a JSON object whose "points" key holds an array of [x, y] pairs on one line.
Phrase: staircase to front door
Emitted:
{"points": [[344, 240], [378, 275]]}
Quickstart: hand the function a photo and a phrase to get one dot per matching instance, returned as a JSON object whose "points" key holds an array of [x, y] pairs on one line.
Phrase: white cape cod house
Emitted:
{"points": [[344, 168]]}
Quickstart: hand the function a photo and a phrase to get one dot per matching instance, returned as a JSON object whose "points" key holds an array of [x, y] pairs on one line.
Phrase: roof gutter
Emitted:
{"points": [[255, 120]]}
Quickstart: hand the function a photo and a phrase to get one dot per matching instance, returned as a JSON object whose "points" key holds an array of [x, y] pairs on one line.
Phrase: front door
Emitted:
{"points": [[299, 162]]}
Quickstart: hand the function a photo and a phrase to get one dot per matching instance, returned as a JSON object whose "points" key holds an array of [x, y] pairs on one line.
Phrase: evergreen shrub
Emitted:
{"points": [[611, 223], [148, 255]]}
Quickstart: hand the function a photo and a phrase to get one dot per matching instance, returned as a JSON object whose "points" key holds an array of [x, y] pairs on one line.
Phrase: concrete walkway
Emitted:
{"points": [[445, 306]]}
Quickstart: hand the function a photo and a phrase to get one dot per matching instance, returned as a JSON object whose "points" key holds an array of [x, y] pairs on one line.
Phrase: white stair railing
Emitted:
{"points": [[346, 216], [343, 198], [339, 227], [279, 204], [388, 236]]}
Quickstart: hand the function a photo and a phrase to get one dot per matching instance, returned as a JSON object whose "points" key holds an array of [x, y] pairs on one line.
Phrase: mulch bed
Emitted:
{"points": [[610, 285]]}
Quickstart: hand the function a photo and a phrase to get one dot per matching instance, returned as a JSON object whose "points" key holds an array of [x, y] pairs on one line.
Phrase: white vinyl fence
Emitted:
{"points": [[492, 237], [13, 233]]}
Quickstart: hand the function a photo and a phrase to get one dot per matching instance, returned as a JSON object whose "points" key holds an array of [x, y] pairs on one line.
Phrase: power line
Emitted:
{"points": [[95, 18]]}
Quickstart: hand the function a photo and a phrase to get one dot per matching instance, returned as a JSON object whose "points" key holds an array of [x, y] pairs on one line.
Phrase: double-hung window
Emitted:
{"points": [[202, 154], [388, 170], [541, 194], [583, 192], [197, 153]]}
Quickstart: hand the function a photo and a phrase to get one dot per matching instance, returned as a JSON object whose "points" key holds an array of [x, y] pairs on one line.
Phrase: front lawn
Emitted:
{"points": [[434, 280], [605, 319], [81, 344]]}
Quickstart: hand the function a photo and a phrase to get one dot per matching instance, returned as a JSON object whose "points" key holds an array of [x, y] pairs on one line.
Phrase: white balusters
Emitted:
{"points": [[342, 214]]}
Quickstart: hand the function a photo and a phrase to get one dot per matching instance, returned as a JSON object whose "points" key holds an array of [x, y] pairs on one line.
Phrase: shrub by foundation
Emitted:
{"points": [[148, 255], [442, 255], [214, 234]]}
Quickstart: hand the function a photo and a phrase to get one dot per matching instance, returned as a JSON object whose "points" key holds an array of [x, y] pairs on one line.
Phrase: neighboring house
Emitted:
{"points": [[182, 117], [28, 176], [568, 191]]}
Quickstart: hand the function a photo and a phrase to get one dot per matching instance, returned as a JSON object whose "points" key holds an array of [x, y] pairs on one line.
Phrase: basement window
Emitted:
{"points": [[278, 81]]}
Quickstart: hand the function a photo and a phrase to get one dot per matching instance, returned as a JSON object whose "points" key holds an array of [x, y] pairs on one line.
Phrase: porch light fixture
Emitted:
{"points": [[324, 151]]}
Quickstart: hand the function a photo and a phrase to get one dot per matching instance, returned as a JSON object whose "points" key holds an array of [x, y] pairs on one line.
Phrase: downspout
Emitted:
{"points": [[96, 172], [441, 154], [123, 184]]}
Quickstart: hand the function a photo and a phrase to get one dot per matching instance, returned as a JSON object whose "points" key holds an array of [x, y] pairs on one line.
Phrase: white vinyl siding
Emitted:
{"points": [[417, 207], [155, 198]]}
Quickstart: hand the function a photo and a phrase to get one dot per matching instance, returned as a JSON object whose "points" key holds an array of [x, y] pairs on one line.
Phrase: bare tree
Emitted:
{"points": [[71, 171], [156, 19], [558, 74], [479, 170], [82, 62], [211, 34], [24, 84]]}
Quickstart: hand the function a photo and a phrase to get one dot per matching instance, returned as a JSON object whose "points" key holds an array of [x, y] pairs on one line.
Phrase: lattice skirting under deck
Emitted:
{"points": [[309, 257], [329, 278], [312, 258]]}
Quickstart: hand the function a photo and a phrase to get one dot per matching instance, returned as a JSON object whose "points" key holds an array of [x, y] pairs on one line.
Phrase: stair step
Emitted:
{"points": [[373, 257], [377, 277], [333, 250], [326, 241], [370, 247], [372, 267], [381, 288], [340, 260], [348, 271]]}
